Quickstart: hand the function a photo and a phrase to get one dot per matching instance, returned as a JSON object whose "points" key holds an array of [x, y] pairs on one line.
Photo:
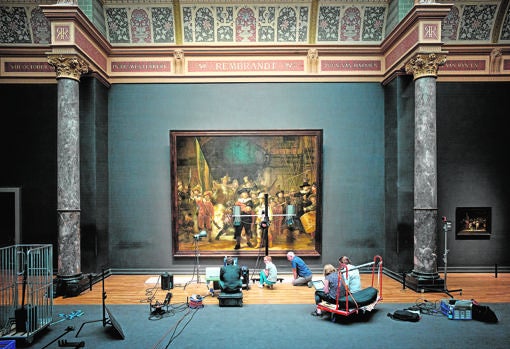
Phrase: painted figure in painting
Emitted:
{"points": [[309, 217], [205, 213], [224, 191], [245, 204], [276, 214], [227, 220]]}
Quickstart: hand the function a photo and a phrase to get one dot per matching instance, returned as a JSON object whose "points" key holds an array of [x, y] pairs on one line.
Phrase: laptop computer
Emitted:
{"points": [[318, 285]]}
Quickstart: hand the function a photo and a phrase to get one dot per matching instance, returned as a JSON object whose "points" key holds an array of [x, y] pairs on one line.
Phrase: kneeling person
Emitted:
{"points": [[269, 275]]}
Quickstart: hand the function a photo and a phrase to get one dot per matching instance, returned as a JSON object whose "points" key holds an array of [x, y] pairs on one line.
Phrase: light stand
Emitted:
{"points": [[447, 226], [196, 267], [108, 318], [265, 224]]}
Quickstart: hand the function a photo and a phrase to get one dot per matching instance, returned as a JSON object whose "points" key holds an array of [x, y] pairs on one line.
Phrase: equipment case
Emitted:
{"points": [[456, 309], [230, 299]]}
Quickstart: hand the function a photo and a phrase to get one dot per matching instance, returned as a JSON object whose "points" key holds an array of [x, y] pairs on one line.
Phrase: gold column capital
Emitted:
{"points": [[425, 64], [68, 65]]}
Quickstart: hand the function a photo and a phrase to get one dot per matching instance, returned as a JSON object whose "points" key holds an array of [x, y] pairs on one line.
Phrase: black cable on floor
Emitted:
{"points": [[426, 307], [150, 293]]}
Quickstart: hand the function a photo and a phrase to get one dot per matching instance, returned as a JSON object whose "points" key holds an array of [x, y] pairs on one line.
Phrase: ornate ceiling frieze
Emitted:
{"points": [[290, 22], [145, 41]]}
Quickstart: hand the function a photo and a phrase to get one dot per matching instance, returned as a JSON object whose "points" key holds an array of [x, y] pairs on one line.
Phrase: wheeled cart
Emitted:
{"points": [[362, 301], [26, 290]]}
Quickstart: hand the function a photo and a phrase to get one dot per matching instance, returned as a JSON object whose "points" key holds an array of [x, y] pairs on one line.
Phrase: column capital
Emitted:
{"points": [[425, 64], [68, 65]]}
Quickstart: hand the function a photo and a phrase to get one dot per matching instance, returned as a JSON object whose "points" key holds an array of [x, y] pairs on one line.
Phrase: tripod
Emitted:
{"points": [[196, 267], [447, 226]]}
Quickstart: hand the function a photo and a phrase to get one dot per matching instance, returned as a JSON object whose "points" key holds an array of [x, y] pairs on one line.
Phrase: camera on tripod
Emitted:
{"points": [[447, 225], [265, 223], [200, 235]]}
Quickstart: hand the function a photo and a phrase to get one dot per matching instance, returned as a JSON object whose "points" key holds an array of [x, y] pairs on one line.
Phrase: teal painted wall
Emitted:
{"points": [[94, 174], [472, 129], [367, 156], [399, 174], [140, 117]]}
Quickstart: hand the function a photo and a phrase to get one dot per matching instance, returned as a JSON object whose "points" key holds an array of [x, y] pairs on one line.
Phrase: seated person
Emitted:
{"points": [[329, 292], [351, 277], [230, 277], [268, 276]]}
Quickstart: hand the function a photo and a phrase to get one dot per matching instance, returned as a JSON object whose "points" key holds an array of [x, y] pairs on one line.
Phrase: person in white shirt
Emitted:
{"points": [[268, 276], [351, 277]]}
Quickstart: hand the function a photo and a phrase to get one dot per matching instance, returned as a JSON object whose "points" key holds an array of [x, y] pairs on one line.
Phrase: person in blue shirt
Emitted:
{"points": [[302, 275]]}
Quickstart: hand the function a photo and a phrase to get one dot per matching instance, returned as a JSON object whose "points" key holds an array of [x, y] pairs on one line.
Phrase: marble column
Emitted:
{"points": [[69, 69], [424, 275]]}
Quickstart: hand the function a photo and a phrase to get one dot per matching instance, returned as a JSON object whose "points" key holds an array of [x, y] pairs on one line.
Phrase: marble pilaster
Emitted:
{"points": [[424, 275], [69, 69]]}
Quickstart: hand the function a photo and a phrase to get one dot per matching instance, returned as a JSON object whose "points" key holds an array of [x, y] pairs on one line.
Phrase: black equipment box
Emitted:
{"points": [[245, 276], [230, 299], [167, 281], [26, 319]]}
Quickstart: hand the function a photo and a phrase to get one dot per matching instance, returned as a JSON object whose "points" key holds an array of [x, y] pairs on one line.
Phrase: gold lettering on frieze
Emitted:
{"points": [[27, 67], [350, 65], [464, 65], [245, 66]]}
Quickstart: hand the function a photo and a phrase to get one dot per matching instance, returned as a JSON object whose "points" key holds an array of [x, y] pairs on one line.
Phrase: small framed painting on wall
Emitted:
{"points": [[473, 223]]}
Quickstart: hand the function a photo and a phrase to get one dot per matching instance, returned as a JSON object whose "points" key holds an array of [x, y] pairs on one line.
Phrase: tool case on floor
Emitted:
{"points": [[456, 309]]}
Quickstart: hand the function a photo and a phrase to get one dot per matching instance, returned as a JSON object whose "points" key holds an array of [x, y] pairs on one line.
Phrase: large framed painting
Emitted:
{"points": [[246, 192]]}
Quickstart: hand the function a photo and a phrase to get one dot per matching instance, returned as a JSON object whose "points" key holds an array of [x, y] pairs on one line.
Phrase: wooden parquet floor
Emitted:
{"points": [[143, 289]]}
